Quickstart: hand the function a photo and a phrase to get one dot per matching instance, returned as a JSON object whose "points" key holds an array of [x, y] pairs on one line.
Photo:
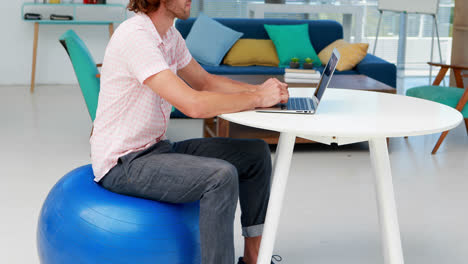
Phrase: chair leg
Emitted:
{"points": [[441, 138], [440, 76]]}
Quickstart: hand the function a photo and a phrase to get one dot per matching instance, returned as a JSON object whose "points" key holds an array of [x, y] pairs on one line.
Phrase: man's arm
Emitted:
{"points": [[204, 104], [201, 80]]}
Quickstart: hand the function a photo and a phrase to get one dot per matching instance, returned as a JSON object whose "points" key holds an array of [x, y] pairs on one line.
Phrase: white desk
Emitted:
{"points": [[258, 10], [344, 117]]}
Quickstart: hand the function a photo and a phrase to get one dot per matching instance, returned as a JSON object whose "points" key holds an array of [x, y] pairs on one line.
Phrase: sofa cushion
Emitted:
{"points": [[292, 41], [351, 54], [248, 52], [321, 32], [208, 40]]}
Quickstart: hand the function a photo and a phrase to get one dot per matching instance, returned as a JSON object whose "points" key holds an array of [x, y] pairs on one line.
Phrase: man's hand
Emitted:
{"points": [[272, 92]]}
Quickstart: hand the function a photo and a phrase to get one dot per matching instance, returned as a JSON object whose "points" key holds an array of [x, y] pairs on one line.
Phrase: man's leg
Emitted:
{"points": [[180, 178], [252, 160], [251, 249]]}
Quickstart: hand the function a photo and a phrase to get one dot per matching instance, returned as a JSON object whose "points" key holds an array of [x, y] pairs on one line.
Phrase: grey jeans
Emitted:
{"points": [[215, 171]]}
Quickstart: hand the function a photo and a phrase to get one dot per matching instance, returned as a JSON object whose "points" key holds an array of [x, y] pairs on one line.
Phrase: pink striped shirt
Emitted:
{"points": [[130, 116]]}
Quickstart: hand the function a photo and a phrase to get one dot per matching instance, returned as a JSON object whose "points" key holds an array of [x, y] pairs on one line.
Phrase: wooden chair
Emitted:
{"points": [[456, 97]]}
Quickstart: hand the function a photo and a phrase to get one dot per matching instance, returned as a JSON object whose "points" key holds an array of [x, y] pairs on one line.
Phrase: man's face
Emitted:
{"points": [[179, 8]]}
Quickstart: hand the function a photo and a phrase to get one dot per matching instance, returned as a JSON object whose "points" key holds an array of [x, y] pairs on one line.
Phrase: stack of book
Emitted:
{"points": [[301, 76]]}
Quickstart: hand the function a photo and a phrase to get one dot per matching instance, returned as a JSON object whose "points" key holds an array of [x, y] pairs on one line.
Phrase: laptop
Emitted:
{"points": [[307, 105]]}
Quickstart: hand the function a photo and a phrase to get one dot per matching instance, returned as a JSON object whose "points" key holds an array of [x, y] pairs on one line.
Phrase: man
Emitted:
{"points": [[130, 154]]}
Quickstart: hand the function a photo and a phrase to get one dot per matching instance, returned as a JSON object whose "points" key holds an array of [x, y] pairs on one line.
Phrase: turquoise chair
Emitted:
{"points": [[86, 70], [456, 97]]}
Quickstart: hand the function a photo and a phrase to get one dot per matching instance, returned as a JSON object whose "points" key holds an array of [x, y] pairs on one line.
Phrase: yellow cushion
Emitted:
{"points": [[247, 52], [351, 54]]}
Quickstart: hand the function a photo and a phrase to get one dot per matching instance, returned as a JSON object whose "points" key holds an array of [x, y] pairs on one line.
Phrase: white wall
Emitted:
{"points": [[53, 65]]}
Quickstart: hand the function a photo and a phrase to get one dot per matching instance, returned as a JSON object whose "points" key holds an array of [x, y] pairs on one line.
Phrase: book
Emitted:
{"points": [[32, 16], [60, 17], [315, 75], [307, 71], [296, 80]]}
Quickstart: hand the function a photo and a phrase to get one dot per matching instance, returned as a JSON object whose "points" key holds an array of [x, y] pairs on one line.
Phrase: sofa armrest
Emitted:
{"points": [[378, 69]]}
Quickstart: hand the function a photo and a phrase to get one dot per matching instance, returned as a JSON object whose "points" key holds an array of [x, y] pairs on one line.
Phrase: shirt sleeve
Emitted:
{"points": [[143, 55], [183, 56]]}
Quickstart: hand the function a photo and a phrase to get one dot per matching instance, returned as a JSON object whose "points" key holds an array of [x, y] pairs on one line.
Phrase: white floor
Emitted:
{"points": [[329, 212]]}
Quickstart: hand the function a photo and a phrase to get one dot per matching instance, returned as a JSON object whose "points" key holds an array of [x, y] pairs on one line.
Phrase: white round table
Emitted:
{"points": [[344, 117]]}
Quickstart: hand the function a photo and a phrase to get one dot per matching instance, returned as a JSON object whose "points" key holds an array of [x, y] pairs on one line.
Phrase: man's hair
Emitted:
{"points": [[145, 6]]}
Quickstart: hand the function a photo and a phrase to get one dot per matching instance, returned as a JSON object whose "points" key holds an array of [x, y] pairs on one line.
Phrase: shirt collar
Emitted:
{"points": [[149, 24]]}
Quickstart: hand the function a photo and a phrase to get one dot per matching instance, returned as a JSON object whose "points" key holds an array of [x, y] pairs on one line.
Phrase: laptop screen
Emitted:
{"points": [[326, 76]]}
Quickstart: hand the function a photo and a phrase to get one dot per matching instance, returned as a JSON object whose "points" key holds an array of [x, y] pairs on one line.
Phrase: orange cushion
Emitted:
{"points": [[351, 54], [248, 52]]}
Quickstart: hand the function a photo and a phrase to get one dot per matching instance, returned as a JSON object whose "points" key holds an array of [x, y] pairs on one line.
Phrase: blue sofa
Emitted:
{"points": [[321, 32]]}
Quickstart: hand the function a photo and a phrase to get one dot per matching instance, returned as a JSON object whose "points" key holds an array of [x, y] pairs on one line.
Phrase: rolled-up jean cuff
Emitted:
{"points": [[252, 231]]}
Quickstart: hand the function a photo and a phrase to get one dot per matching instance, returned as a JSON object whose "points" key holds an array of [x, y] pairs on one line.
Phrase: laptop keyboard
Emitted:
{"points": [[298, 103]]}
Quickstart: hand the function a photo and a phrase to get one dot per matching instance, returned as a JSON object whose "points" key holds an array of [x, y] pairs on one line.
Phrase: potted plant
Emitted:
{"points": [[294, 63], [308, 64]]}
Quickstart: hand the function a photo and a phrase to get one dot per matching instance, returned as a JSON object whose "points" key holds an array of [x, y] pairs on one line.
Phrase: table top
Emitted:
{"points": [[354, 113], [351, 81]]}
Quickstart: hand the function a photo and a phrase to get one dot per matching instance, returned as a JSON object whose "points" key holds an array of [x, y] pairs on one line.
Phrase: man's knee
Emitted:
{"points": [[259, 153], [225, 183], [256, 149], [262, 149], [226, 175]]}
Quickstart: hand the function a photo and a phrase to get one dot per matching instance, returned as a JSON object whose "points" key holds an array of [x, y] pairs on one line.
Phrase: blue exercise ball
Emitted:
{"points": [[81, 222]]}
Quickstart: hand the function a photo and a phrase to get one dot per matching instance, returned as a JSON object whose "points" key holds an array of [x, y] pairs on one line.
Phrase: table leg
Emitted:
{"points": [[33, 70], [280, 176], [389, 228], [222, 127], [111, 29]]}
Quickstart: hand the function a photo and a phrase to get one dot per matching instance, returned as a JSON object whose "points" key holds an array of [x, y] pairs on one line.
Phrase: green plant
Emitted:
{"points": [[308, 60], [294, 59]]}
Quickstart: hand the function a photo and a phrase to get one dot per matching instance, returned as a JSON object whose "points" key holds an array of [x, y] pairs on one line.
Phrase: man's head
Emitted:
{"points": [[177, 8]]}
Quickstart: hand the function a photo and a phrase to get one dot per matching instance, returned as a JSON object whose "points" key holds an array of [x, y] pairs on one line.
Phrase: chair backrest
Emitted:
{"points": [[85, 69]]}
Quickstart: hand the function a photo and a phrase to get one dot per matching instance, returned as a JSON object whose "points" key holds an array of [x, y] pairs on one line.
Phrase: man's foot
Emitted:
{"points": [[274, 257]]}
